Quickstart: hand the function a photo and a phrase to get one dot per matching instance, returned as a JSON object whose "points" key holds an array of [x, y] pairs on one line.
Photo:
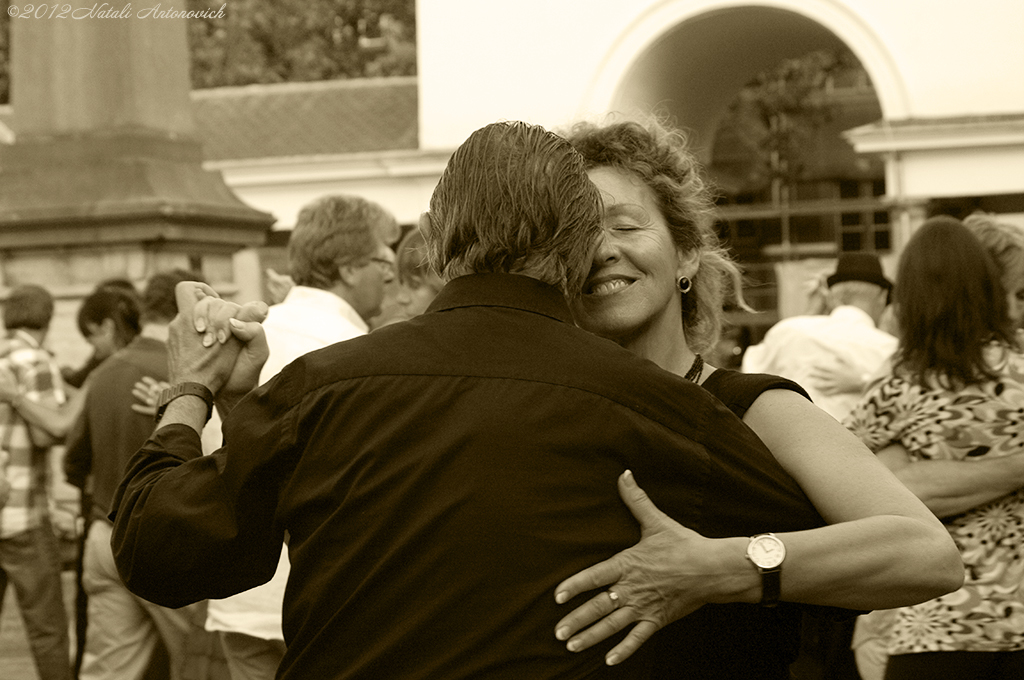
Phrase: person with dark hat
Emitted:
{"points": [[847, 341]]}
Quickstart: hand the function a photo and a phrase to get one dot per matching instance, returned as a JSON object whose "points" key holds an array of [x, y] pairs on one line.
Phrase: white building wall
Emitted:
{"points": [[548, 61]]}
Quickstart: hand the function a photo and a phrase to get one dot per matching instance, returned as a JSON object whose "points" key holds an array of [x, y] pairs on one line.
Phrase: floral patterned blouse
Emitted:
{"points": [[980, 421]]}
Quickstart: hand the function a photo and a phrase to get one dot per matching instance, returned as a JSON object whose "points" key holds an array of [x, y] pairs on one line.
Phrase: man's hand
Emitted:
{"points": [[842, 377], [147, 393], [215, 342], [667, 575]]}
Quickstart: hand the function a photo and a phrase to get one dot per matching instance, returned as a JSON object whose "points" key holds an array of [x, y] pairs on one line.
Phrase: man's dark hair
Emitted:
{"points": [[115, 304], [29, 307], [159, 305], [515, 198]]}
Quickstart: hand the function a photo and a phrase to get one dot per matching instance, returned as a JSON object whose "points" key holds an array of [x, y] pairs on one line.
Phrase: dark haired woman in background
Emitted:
{"points": [[955, 393]]}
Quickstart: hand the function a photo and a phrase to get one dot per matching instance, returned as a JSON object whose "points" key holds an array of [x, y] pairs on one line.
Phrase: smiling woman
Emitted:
{"points": [[656, 286]]}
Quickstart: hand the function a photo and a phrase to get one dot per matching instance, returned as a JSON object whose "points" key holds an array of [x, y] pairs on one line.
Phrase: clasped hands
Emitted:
{"points": [[671, 572], [216, 342]]}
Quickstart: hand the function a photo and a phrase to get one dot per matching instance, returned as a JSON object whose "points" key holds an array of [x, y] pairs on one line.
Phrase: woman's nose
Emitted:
{"points": [[606, 250]]}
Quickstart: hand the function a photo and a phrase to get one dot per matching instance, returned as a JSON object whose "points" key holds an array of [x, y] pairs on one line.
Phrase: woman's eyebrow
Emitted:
{"points": [[626, 210]]}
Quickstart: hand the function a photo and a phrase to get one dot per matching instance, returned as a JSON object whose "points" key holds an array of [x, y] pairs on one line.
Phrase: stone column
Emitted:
{"points": [[105, 175]]}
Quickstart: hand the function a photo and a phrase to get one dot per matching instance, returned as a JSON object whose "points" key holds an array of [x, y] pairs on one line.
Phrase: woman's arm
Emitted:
{"points": [[951, 487], [882, 548]]}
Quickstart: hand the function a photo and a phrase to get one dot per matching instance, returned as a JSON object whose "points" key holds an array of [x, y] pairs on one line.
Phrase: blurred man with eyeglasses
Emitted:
{"points": [[340, 261]]}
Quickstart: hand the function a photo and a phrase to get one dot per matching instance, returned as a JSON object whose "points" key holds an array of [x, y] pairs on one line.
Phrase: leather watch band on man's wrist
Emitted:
{"points": [[180, 390]]}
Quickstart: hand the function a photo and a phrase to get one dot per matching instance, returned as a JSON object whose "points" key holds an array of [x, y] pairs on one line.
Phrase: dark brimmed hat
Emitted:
{"points": [[859, 267]]}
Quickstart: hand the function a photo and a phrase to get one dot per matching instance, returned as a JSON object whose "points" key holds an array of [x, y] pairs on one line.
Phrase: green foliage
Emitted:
{"points": [[271, 41], [274, 41], [772, 120]]}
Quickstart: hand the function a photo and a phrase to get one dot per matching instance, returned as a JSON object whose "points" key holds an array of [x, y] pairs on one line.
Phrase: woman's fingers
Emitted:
{"points": [[592, 610], [610, 623], [640, 634], [642, 507], [601, 574]]}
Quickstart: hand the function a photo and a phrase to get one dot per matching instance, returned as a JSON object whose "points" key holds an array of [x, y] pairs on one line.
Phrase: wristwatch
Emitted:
{"points": [[767, 551], [180, 390]]}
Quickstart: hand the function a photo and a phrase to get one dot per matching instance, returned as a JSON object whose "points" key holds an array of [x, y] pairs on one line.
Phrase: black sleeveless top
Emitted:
{"points": [[739, 390], [735, 641]]}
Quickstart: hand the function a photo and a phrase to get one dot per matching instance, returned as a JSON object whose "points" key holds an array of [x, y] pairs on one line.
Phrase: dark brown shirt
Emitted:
{"points": [[437, 478]]}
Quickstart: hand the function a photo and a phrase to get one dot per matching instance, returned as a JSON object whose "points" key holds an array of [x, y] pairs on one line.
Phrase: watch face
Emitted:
{"points": [[766, 552]]}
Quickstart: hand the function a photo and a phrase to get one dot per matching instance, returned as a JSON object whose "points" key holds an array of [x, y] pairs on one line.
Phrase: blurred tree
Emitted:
{"points": [[273, 41], [769, 124], [270, 41]]}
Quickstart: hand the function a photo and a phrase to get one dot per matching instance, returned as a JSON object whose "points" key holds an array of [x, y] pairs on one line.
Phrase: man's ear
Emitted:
{"points": [[104, 327], [425, 225], [109, 327], [348, 275]]}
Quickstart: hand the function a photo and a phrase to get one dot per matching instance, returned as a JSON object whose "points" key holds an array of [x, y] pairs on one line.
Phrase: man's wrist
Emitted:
{"points": [[185, 390]]}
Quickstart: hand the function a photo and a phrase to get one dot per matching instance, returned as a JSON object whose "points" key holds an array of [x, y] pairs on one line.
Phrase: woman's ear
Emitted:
{"points": [[688, 263]]}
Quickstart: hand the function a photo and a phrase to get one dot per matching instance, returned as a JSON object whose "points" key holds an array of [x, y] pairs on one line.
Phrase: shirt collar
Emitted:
{"points": [[24, 336], [514, 291], [322, 300], [851, 314]]}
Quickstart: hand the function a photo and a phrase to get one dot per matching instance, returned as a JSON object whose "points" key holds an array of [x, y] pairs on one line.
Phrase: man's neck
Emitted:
{"points": [[35, 334], [347, 294], [155, 331]]}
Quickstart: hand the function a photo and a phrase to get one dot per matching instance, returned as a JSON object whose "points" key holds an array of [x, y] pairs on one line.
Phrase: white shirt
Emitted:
{"points": [[307, 319], [794, 346]]}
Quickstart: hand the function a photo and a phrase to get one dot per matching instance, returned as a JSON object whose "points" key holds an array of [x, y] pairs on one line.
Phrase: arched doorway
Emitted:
{"points": [[689, 66]]}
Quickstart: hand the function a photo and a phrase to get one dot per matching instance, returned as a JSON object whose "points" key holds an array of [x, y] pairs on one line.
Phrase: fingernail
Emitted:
{"points": [[235, 323], [627, 477], [562, 633], [561, 597], [611, 659], [200, 325], [573, 645], [208, 340], [222, 335]]}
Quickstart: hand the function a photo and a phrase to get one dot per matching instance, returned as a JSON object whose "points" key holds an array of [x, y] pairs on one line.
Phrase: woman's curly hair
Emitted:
{"points": [[660, 157]]}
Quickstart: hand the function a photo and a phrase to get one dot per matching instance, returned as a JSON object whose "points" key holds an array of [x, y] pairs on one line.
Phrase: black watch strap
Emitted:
{"points": [[771, 586], [180, 390]]}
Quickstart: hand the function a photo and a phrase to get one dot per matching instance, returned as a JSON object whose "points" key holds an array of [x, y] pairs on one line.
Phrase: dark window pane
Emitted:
{"points": [[881, 217], [851, 241], [850, 219], [771, 231], [849, 188], [882, 240], [810, 229]]}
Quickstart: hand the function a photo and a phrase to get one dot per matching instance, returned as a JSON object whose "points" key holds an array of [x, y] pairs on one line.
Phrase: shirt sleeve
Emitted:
{"points": [[179, 534], [78, 452], [42, 380]]}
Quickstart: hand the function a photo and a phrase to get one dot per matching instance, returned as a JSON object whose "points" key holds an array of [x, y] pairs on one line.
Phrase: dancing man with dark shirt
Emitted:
{"points": [[436, 478]]}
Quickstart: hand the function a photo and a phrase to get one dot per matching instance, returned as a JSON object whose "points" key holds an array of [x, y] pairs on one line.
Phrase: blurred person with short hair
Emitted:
{"points": [[29, 555]]}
